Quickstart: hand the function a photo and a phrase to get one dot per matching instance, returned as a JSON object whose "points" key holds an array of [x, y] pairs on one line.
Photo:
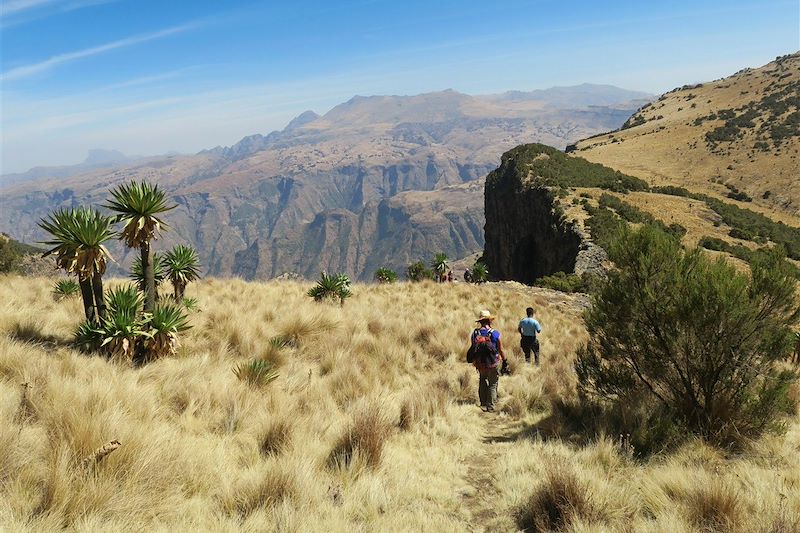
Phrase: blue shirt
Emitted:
{"points": [[529, 327]]}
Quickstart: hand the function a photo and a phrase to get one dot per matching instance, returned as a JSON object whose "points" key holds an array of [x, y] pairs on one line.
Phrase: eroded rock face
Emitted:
{"points": [[527, 236]]}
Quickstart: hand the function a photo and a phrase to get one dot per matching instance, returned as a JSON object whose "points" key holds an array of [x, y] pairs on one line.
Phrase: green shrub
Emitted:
{"points": [[385, 275], [418, 272], [9, 255], [562, 282], [693, 335]]}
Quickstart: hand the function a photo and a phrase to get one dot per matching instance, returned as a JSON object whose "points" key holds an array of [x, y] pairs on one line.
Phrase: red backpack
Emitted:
{"points": [[483, 352]]}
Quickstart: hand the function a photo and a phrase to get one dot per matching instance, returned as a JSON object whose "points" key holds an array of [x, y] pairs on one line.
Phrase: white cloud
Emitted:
{"points": [[16, 6], [43, 66]]}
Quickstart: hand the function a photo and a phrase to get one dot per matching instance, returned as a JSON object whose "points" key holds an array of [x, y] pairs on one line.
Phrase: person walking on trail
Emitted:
{"points": [[529, 328], [486, 354]]}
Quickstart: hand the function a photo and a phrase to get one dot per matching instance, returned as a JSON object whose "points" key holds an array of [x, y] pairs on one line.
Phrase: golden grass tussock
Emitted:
{"points": [[370, 423]]}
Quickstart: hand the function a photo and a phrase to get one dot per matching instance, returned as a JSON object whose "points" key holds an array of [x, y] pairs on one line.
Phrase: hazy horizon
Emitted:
{"points": [[111, 75]]}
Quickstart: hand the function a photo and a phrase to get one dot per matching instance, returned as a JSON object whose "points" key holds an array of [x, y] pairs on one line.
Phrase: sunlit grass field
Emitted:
{"points": [[371, 425]]}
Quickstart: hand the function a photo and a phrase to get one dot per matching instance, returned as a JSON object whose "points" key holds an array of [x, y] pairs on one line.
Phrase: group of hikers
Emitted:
{"points": [[487, 355]]}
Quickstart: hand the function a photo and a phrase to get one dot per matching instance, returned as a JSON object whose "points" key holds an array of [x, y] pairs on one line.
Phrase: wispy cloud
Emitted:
{"points": [[15, 12], [43, 66], [16, 6]]}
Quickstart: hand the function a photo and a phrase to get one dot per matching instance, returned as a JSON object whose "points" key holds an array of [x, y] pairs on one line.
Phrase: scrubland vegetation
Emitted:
{"points": [[366, 420]]}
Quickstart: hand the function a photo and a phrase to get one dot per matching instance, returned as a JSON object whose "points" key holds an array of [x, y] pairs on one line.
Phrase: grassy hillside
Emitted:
{"points": [[372, 425], [738, 138]]}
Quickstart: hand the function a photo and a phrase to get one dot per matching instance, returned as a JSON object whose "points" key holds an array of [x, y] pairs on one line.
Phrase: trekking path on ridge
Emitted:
{"points": [[481, 496]]}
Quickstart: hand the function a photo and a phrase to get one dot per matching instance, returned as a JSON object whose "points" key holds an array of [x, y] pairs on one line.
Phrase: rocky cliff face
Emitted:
{"points": [[527, 235]]}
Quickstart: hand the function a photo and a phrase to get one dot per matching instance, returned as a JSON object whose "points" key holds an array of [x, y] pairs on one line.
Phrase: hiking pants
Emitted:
{"points": [[528, 345], [487, 386]]}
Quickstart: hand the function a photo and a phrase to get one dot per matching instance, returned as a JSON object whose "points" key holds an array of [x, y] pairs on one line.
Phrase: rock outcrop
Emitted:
{"points": [[527, 234]]}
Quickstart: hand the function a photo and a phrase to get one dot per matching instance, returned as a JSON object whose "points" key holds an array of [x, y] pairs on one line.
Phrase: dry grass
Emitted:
{"points": [[371, 425]]}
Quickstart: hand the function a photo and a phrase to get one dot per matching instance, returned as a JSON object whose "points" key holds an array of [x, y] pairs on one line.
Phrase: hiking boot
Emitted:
{"points": [[490, 409]]}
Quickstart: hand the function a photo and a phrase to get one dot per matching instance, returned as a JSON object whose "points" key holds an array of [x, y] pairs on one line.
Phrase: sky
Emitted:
{"points": [[151, 77]]}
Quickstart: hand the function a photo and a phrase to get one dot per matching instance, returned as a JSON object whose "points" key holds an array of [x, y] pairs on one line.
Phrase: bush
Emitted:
{"points": [[693, 334], [418, 272], [9, 256], [385, 275], [562, 282]]}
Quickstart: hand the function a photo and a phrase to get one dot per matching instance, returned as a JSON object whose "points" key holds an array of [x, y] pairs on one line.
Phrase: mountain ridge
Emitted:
{"points": [[342, 192]]}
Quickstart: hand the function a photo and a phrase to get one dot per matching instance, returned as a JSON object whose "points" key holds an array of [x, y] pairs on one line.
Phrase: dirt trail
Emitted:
{"points": [[481, 497]]}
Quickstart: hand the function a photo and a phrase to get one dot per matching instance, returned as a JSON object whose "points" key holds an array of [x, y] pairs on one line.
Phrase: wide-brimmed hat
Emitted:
{"points": [[485, 315]]}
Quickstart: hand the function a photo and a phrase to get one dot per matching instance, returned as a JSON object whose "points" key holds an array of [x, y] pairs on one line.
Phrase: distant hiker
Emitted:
{"points": [[450, 276], [529, 328], [468, 276], [486, 353]]}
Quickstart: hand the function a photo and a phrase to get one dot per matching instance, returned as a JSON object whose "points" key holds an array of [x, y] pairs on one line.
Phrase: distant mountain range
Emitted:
{"points": [[376, 181]]}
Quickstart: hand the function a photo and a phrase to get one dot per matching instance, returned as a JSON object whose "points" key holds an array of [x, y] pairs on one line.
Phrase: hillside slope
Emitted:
{"points": [[328, 192], [738, 137]]}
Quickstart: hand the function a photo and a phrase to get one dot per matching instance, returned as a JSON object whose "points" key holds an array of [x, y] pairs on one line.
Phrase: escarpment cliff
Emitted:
{"points": [[527, 234]]}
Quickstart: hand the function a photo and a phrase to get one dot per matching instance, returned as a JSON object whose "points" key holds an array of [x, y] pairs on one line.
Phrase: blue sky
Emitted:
{"points": [[148, 77]]}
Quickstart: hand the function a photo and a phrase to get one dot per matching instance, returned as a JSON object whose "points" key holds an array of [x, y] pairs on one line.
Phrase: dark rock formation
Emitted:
{"points": [[527, 236]]}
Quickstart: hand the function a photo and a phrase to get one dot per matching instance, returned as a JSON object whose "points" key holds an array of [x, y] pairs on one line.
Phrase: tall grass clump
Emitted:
{"points": [[364, 438], [693, 336], [558, 502]]}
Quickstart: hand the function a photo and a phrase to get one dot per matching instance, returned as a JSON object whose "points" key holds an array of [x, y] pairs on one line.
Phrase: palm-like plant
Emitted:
{"points": [[256, 372], [166, 321], [182, 266], [77, 242], [480, 273], [385, 275], [137, 272], [332, 287], [64, 288], [440, 266], [138, 205], [122, 330]]}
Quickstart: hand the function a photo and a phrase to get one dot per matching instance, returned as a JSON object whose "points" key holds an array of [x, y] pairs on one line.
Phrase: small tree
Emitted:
{"points": [[440, 266], [77, 242], [182, 266], [137, 206], [385, 275], [418, 272], [693, 334]]}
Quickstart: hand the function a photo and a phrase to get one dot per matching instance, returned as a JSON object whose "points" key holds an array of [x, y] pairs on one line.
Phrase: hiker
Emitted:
{"points": [[450, 277], [468, 276], [528, 328], [486, 353]]}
